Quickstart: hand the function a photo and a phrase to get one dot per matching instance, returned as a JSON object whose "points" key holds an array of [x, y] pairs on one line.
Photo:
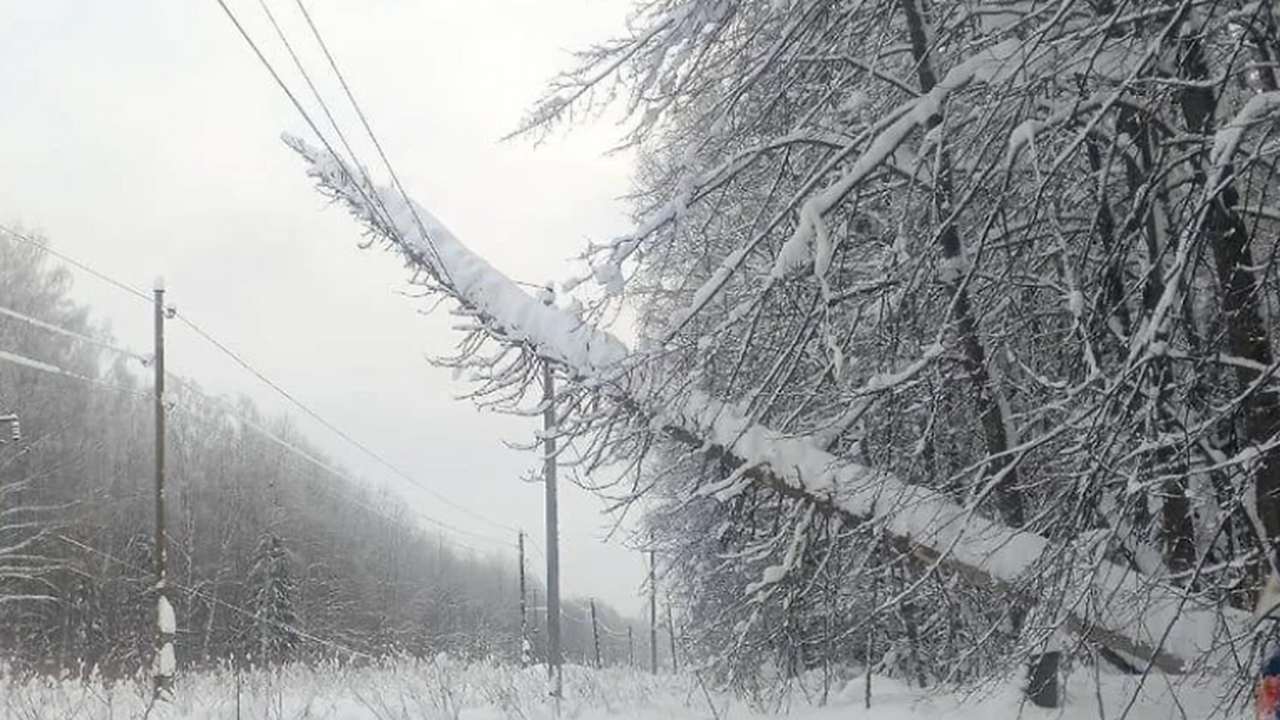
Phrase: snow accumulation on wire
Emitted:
{"points": [[1109, 603]]}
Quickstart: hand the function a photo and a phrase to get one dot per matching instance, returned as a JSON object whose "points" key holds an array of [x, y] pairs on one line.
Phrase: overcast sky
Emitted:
{"points": [[143, 138]]}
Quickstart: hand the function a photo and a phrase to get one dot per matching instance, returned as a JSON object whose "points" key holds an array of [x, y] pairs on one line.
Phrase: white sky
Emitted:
{"points": [[142, 137]]}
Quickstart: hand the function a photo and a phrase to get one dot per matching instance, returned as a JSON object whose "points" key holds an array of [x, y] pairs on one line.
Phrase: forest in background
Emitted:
{"points": [[274, 555]]}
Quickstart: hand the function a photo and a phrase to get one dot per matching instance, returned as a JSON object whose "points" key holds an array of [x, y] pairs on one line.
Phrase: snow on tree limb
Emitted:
{"points": [[1111, 604], [504, 306]]}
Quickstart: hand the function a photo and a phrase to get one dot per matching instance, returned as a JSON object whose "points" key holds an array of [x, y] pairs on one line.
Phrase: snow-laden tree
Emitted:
{"points": [[275, 618], [983, 283], [893, 227]]}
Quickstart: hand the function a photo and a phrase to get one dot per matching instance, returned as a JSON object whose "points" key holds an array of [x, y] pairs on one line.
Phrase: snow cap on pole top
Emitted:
{"points": [[159, 284]]}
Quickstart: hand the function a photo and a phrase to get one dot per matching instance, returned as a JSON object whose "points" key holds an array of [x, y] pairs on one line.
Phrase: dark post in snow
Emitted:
{"points": [[631, 648], [595, 632], [653, 615], [164, 664], [524, 610], [553, 534]]}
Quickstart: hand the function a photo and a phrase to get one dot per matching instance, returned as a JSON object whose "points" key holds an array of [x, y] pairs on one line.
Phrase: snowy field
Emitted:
{"points": [[445, 690]]}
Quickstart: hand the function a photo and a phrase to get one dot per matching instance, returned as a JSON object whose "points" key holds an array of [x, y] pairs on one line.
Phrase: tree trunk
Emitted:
{"points": [[1229, 241], [999, 465]]}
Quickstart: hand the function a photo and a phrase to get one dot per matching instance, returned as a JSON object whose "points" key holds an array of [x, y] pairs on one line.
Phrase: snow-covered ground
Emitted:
{"points": [[446, 690]]}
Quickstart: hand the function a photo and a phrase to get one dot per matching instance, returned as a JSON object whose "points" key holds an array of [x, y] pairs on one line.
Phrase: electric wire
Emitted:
{"points": [[355, 160], [288, 92], [376, 457], [322, 465], [35, 322], [129, 289], [315, 31], [379, 206], [40, 365], [49, 368]]}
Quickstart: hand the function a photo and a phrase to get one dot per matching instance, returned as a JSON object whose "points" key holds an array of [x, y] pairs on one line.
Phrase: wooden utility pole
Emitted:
{"points": [[631, 648], [166, 629], [15, 434], [524, 610], [553, 522], [595, 632], [653, 615]]}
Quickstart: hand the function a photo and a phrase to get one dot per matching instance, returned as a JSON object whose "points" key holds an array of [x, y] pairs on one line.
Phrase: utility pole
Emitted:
{"points": [[166, 625], [536, 631], [631, 648], [653, 615], [671, 628], [595, 633], [553, 522], [15, 434], [524, 611]]}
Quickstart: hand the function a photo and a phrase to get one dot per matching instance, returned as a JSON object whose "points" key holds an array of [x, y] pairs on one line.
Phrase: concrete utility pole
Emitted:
{"points": [[524, 610], [553, 533], [166, 626], [653, 615]]}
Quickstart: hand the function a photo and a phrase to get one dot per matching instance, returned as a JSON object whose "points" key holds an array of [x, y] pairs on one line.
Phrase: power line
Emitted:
{"points": [[322, 465], [378, 145], [76, 263], [368, 128], [41, 366], [35, 322], [335, 429], [324, 106], [289, 93], [26, 362], [55, 370]]}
